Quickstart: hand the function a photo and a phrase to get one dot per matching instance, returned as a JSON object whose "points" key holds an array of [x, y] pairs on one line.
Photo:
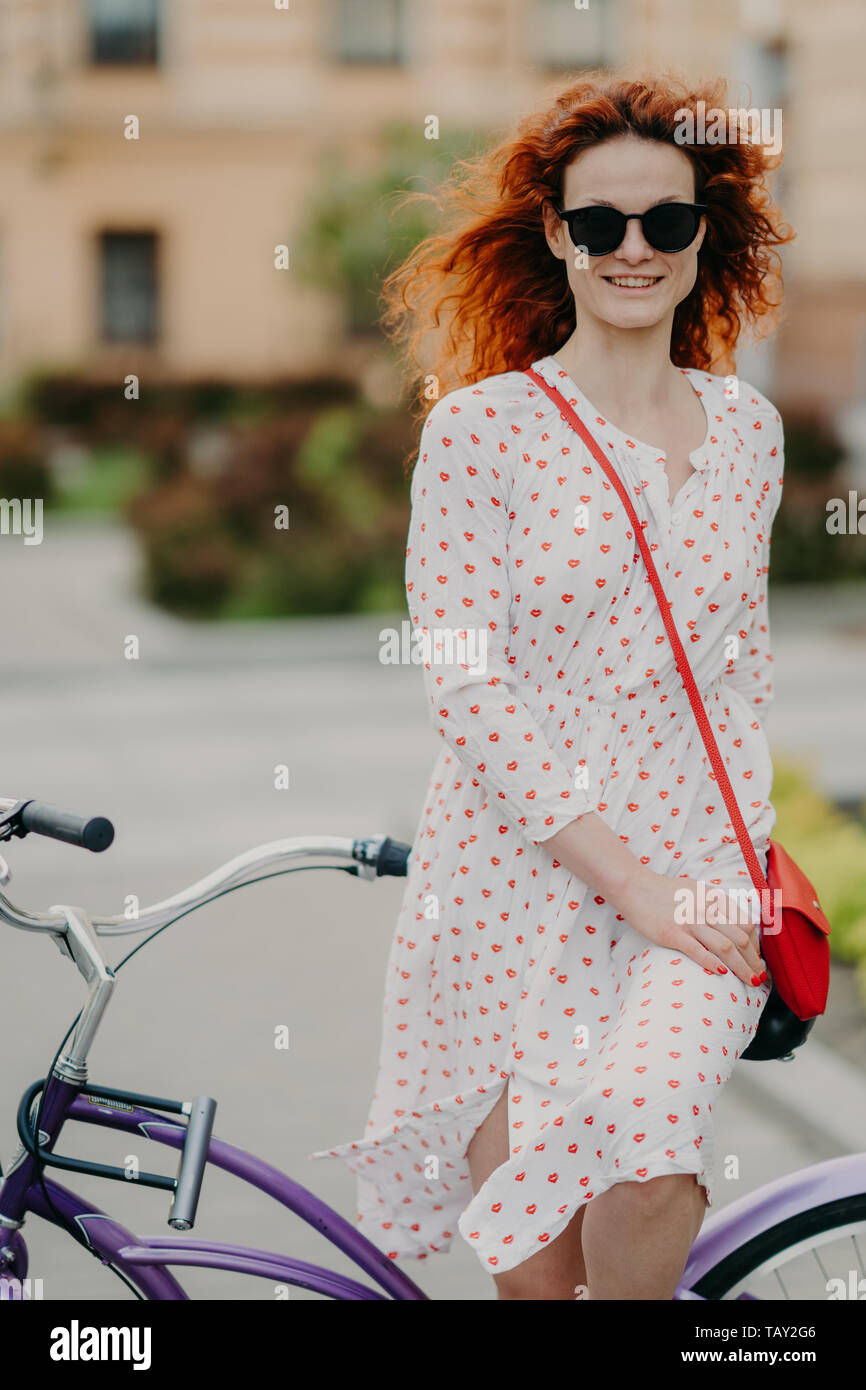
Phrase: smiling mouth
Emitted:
{"points": [[633, 282]]}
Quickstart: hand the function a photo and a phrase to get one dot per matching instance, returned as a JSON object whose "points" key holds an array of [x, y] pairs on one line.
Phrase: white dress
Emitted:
{"points": [[505, 969]]}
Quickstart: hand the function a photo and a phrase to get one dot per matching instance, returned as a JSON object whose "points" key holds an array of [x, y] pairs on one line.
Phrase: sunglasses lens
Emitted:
{"points": [[671, 226], [667, 227], [600, 230]]}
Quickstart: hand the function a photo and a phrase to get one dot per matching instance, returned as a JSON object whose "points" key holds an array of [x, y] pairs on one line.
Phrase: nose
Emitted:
{"points": [[634, 247]]}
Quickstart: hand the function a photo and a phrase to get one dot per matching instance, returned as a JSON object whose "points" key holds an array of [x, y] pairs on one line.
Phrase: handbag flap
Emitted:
{"points": [[798, 894]]}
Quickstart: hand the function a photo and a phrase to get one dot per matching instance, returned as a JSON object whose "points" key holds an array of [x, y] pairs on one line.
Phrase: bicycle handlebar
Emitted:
{"points": [[76, 932], [392, 858], [381, 856], [371, 857], [90, 832], [37, 818]]}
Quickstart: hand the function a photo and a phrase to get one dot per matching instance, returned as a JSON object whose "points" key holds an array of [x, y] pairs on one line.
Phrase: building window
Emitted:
{"points": [[128, 262], [372, 32], [124, 31], [564, 36]]}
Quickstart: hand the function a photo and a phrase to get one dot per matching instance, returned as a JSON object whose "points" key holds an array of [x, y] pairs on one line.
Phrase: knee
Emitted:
{"points": [[520, 1284], [658, 1198]]}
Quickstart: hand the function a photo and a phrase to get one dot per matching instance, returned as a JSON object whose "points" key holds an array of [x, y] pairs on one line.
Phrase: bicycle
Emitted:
{"points": [[740, 1250]]}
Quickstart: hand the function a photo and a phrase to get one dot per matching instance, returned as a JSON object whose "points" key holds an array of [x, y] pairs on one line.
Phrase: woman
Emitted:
{"points": [[556, 1027]]}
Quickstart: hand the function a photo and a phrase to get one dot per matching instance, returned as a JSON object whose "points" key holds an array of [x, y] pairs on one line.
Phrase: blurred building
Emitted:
{"points": [[156, 254]]}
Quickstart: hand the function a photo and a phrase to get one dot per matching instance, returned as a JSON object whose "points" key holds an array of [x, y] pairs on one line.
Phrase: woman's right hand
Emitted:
{"points": [[653, 904]]}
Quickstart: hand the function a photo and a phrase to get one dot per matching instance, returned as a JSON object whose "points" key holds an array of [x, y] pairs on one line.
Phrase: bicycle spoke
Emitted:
{"points": [[821, 1266]]}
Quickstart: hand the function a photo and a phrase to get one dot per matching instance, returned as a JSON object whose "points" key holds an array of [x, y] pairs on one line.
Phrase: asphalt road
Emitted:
{"points": [[179, 748]]}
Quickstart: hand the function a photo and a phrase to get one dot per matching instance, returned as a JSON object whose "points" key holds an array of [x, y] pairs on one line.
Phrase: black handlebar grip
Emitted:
{"points": [[393, 858], [90, 832]]}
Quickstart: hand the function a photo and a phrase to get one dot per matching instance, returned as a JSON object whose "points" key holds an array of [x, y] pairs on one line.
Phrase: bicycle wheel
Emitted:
{"points": [[815, 1255]]}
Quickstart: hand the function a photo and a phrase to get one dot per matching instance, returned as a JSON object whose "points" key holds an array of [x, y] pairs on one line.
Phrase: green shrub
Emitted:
{"points": [[812, 450], [830, 847], [192, 564], [24, 468], [339, 474], [65, 398], [96, 412], [358, 226], [803, 552], [108, 478]]}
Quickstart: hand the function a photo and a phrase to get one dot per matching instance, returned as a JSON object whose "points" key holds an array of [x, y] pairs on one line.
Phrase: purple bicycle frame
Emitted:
{"points": [[143, 1261]]}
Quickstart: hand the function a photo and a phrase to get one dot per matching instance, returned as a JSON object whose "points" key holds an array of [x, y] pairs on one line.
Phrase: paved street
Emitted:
{"points": [[180, 748]]}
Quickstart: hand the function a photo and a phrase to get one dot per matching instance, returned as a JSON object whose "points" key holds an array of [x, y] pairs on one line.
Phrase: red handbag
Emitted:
{"points": [[794, 942]]}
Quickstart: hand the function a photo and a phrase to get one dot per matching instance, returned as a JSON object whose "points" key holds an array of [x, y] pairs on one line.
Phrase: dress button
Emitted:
{"points": [[677, 518]]}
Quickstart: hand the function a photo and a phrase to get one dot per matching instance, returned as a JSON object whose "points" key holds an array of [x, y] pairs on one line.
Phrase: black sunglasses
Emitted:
{"points": [[666, 227]]}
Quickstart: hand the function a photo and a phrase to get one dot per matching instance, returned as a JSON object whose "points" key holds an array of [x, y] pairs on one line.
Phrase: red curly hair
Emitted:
{"points": [[493, 298]]}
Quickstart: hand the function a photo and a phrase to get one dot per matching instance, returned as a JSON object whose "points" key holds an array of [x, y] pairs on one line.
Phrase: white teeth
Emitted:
{"points": [[633, 281]]}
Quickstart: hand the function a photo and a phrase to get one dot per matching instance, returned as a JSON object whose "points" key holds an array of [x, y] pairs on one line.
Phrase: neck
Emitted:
{"points": [[625, 372]]}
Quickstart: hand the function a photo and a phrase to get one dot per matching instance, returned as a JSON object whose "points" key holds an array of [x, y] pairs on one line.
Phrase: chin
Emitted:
{"points": [[632, 315]]}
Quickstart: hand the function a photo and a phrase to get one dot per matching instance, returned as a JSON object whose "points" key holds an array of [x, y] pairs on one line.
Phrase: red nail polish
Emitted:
{"points": [[756, 979], [764, 977]]}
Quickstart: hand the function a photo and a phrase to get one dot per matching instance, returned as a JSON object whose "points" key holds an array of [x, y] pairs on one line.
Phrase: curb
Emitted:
{"points": [[819, 1088]]}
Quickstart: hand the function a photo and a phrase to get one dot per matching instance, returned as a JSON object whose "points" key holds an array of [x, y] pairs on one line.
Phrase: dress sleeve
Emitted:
{"points": [[459, 595], [751, 673]]}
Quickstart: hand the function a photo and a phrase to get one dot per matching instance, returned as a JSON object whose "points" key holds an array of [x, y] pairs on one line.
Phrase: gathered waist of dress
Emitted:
{"points": [[547, 702]]}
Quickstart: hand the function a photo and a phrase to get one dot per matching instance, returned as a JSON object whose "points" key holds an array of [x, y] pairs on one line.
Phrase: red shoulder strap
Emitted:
{"points": [[682, 661]]}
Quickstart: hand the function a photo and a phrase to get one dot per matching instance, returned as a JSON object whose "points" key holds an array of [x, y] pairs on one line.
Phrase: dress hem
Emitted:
{"points": [[500, 1264]]}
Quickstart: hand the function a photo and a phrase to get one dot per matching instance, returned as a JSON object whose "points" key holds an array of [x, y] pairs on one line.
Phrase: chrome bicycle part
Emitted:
{"points": [[80, 941]]}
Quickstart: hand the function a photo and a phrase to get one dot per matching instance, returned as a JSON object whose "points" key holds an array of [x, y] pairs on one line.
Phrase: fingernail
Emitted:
{"points": [[756, 979], [763, 977]]}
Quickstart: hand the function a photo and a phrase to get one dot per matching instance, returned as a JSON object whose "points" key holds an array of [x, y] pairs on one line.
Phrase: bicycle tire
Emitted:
{"points": [[794, 1230]]}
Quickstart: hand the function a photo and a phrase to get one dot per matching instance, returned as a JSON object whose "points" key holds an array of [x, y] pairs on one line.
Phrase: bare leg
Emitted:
{"points": [[637, 1236], [556, 1273]]}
